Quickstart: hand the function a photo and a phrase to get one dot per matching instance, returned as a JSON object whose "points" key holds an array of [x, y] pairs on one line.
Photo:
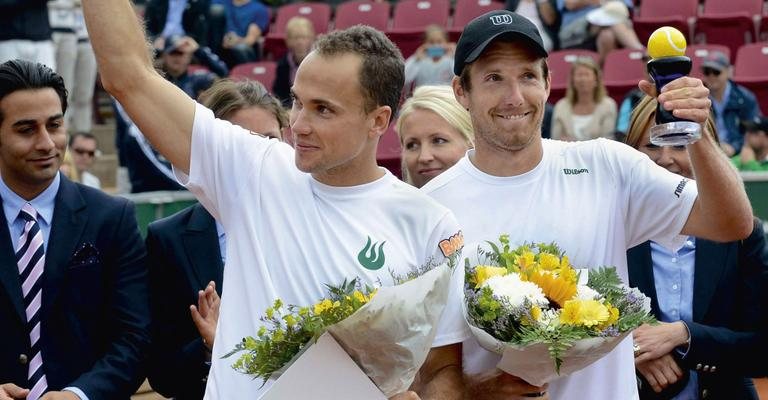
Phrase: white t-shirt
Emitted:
{"points": [[595, 199], [289, 234]]}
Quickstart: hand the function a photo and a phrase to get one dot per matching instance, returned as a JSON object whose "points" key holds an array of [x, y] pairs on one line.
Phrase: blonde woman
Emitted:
{"points": [[707, 295], [435, 132], [586, 112]]}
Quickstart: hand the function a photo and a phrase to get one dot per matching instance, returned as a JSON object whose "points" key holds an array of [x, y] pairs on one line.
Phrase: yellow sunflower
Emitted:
{"points": [[556, 288]]}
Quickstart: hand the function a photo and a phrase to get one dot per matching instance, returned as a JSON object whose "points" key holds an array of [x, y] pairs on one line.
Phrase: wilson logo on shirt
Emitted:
{"points": [[575, 171], [680, 187], [371, 257]]}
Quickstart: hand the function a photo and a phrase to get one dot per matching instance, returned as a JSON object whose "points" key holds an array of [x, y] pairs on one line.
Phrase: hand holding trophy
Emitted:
{"points": [[666, 46]]}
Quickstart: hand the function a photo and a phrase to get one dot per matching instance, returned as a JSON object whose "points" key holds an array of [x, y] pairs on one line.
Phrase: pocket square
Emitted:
{"points": [[86, 254]]}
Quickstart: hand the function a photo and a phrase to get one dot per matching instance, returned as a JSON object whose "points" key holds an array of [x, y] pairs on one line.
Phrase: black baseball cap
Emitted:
{"points": [[481, 31]]}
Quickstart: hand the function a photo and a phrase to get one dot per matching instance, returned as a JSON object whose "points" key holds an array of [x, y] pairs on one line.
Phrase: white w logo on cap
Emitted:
{"points": [[504, 19]]}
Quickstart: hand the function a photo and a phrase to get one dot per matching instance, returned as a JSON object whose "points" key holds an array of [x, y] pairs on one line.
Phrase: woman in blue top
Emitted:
{"points": [[247, 20]]}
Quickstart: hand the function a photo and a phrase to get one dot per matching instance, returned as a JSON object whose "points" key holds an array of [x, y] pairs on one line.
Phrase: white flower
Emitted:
{"points": [[516, 291], [584, 292]]}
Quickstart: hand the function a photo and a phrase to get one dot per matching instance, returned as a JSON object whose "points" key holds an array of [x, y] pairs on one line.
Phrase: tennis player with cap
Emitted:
{"points": [[595, 199]]}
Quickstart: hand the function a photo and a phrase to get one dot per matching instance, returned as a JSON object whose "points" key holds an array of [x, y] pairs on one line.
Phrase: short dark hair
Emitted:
{"points": [[227, 97], [382, 74], [464, 80], [84, 135], [18, 75]]}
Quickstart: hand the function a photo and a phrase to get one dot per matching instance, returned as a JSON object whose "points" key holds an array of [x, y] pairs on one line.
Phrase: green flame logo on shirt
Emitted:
{"points": [[371, 258]]}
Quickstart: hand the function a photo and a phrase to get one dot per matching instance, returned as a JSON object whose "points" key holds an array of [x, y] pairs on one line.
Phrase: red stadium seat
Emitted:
{"points": [[318, 13], [410, 19], [467, 10], [654, 14], [751, 70], [728, 22], [622, 70], [698, 52], [262, 71], [560, 67], [417, 14], [362, 12]]}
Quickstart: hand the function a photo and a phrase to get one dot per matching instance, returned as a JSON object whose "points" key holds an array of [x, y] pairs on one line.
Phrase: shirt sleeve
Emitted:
{"points": [[76, 391], [225, 160], [658, 202], [452, 327]]}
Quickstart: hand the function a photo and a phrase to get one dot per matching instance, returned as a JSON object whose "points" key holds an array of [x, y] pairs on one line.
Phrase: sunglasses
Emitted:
{"points": [[89, 153], [711, 71]]}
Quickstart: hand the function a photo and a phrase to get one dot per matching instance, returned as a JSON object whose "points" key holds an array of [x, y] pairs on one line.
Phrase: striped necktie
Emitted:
{"points": [[30, 257]]}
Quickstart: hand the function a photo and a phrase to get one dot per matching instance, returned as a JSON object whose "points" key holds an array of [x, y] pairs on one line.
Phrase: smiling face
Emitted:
{"points": [[506, 96], [335, 139], [430, 145], [32, 140]]}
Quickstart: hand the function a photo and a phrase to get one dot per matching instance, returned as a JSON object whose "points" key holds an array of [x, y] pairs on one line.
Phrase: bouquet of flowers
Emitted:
{"points": [[531, 306], [387, 331]]}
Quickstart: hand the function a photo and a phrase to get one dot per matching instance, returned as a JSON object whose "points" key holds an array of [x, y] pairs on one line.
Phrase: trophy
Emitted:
{"points": [[666, 47]]}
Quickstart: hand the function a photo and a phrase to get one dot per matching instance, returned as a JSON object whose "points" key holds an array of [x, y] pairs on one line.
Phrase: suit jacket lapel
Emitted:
{"points": [[69, 220], [9, 270], [710, 261], [201, 243], [641, 273]]}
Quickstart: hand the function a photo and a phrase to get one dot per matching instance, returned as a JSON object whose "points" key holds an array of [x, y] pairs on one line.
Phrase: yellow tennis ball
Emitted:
{"points": [[666, 42]]}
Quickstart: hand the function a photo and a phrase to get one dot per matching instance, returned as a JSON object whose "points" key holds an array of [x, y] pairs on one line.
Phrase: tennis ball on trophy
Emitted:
{"points": [[666, 42]]}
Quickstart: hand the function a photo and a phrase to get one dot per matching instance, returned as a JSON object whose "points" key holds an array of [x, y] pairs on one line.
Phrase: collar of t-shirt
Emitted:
{"points": [[352, 192], [466, 164]]}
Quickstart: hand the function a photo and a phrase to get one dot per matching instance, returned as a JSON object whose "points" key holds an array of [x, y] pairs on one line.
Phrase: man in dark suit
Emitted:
{"points": [[184, 257], [727, 334], [73, 294]]}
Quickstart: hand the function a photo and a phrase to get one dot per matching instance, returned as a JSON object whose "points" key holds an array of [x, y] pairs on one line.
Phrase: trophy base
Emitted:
{"points": [[678, 133]]}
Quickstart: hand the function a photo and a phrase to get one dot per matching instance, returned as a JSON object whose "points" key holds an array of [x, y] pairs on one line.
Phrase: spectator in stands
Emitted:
{"points": [[754, 153], [543, 14], [25, 32], [299, 36], [586, 24], [435, 131], [84, 149], [186, 256], [732, 103], [247, 21], [176, 58], [586, 112], [166, 18], [432, 63], [148, 171], [75, 61], [710, 297]]}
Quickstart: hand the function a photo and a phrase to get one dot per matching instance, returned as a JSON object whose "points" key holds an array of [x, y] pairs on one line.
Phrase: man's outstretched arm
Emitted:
{"points": [[163, 112]]}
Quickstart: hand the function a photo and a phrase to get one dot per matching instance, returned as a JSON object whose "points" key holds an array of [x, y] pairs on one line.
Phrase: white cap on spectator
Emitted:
{"points": [[609, 14]]}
